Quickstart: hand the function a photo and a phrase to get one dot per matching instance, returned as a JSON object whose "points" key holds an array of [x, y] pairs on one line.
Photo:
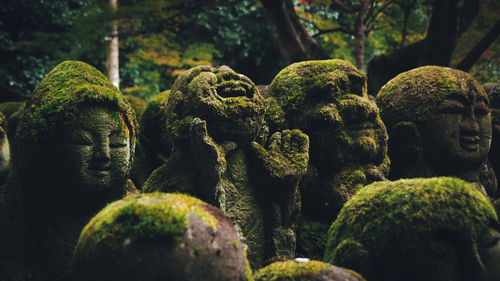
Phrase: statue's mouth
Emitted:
{"points": [[100, 167], [362, 126], [469, 143]]}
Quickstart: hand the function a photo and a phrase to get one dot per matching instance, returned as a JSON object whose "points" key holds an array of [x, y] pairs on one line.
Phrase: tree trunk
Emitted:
{"points": [[112, 63], [480, 47], [359, 37], [294, 41]]}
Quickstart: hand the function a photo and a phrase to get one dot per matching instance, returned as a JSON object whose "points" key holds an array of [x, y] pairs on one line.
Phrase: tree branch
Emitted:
{"points": [[331, 30], [343, 6], [480, 47]]}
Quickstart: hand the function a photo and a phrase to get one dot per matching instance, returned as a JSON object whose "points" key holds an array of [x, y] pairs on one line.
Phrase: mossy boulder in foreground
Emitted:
{"points": [[305, 271], [416, 229], [160, 236]]}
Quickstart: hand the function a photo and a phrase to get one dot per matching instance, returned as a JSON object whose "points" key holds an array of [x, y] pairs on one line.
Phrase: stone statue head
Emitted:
{"points": [[302, 269], [76, 138], [229, 103], [417, 229], [328, 101], [439, 114], [160, 236]]}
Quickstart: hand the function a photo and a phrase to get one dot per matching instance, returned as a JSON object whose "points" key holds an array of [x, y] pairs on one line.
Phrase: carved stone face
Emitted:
{"points": [[229, 102], [95, 157], [234, 109], [347, 127], [489, 249], [457, 135]]}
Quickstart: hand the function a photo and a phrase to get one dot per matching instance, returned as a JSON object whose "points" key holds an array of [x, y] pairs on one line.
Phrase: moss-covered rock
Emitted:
{"points": [[413, 229], [439, 123], [153, 144], [305, 271], [160, 237], [329, 102]]}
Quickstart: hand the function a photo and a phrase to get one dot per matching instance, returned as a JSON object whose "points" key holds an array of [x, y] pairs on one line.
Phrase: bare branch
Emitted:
{"points": [[331, 30], [343, 6], [371, 20]]}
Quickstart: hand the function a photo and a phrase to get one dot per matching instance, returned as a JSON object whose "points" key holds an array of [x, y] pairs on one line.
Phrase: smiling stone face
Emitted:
{"points": [[229, 102], [450, 110], [96, 155], [328, 100]]}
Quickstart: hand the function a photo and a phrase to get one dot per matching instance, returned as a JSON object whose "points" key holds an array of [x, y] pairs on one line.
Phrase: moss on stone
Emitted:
{"points": [[142, 217], [137, 104], [405, 228], [229, 102], [10, 107], [300, 83], [60, 95], [302, 271], [413, 95]]}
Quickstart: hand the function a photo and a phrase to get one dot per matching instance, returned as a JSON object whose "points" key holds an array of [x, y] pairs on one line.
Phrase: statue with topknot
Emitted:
{"points": [[328, 101], [221, 153], [158, 236], [439, 124], [417, 229], [72, 156]]}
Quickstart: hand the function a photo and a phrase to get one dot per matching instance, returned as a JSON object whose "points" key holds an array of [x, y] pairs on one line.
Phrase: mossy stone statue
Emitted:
{"points": [[439, 124], [417, 229], [493, 92], [71, 157], [305, 271], [221, 153], [160, 236], [329, 102], [153, 145]]}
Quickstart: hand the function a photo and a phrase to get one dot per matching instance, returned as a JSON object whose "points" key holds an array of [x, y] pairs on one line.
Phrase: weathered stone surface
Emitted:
{"points": [[439, 124], [160, 236], [72, 156], [305, 271], [417, 229], [328, 101], [215, 121], [153, 146]]}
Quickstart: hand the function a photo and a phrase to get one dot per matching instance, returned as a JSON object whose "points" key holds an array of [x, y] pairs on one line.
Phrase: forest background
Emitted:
{"points": [[159, 39]]}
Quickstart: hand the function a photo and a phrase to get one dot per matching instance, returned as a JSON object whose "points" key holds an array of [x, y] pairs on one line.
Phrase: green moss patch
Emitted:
{"points": [[389, 227], [141, 217], [411, 96]]}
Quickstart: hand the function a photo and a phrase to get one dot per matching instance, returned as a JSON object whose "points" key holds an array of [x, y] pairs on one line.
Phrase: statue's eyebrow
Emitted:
{"points": [[456, 97]]}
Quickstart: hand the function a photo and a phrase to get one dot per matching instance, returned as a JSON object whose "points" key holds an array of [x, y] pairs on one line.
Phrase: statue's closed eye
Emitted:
{"points": [[81, 138], [117, 140]]}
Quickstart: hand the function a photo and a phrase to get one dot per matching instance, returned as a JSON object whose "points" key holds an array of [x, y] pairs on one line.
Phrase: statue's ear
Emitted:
{"points": [[405, 144], [352, 255]]}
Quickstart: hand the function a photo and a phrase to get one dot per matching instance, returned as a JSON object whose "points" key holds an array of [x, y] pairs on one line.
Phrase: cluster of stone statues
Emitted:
{"points": [[210, 180]]}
